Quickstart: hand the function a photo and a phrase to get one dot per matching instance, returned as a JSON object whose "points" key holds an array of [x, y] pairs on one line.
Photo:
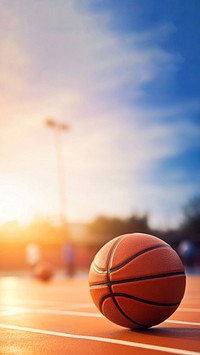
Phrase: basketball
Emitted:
{"points": [[43, 271], [137, 280]]}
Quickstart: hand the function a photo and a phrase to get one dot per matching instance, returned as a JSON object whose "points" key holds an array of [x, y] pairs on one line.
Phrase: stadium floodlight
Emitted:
{"points": [[52, 123]]}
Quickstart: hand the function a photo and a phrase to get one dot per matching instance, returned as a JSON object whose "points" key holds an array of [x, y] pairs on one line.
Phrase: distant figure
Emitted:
{"points": [[187, 252], [69, 259], [33, 254]]}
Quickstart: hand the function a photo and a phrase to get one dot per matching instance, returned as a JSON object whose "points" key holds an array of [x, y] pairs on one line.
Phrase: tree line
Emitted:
{"points": [[104, 228]]}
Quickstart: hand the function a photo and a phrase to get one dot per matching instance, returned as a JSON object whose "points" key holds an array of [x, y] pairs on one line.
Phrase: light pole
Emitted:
{"points": [[58, 129]]}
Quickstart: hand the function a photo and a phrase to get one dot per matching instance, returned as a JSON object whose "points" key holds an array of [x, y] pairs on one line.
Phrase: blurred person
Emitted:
{"points": [[33, 255], [187, 252], [69, 259]]}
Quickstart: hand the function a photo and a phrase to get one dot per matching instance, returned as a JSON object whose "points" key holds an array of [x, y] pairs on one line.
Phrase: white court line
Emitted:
{"points": [[101, 339], [16, 310], [87, 305], [80, 305], [182, 322], [52, 304]]}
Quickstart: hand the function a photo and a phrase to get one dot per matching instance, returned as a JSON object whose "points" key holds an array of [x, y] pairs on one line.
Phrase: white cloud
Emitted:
{"points": [[66, 50], [158, 34], [62, 60]]}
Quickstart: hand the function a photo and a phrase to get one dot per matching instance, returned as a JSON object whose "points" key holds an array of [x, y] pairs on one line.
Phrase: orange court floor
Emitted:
{"points": [[59, 317]]}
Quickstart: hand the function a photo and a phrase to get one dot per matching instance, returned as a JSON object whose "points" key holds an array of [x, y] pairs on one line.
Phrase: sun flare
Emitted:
{"points": [[17, 202]]}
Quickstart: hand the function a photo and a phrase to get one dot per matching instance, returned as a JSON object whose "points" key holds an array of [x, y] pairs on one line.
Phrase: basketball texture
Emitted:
{"points": [[137, 280]]}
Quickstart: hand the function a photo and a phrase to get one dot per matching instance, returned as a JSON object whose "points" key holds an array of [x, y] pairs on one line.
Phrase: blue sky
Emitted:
{"points": [[125, 76]]}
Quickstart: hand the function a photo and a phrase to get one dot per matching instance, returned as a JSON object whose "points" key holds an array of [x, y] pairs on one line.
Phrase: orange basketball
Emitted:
{"points": [[137, 280], [43, 271]]}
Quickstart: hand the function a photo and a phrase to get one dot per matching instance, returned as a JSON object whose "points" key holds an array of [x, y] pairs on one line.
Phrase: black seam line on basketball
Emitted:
{"points": [[109, 262], [110, 285], [108, 270], [150, 277], [120, 310], [119, 294], [136, 255], [135, 279]]}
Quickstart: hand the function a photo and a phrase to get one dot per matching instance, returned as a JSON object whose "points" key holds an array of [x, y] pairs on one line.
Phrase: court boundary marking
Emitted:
{"points": [[101, 339], [89, 305], [15, 310]]}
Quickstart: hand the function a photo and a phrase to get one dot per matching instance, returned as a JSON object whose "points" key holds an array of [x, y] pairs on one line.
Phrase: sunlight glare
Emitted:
{"points": [[17, 202]]}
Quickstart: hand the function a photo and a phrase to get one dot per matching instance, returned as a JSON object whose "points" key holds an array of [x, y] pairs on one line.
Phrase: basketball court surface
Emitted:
{"points": [[59, 317]]}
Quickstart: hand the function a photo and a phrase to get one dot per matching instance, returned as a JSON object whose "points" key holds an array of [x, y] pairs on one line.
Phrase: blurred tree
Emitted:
{"points": [[137, 224], [191, 223], [105, 228]]}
